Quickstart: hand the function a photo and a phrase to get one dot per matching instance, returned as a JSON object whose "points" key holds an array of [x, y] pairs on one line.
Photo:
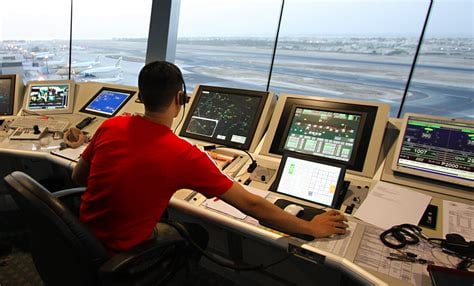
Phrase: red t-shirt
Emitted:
{"points": [[135, 167]]}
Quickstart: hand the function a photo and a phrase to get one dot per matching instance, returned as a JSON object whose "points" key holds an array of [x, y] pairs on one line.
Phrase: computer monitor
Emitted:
{"points": [[226, 116], [11, 88], [341, 131], [436, 147], [49, 97], [310, 179], [107, 102]]}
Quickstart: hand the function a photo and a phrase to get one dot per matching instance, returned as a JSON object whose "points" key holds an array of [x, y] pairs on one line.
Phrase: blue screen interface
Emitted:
{"points": [[108, 102]]}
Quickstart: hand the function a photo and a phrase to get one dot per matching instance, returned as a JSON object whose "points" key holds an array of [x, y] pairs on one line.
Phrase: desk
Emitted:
{"points": [[187, 203]]}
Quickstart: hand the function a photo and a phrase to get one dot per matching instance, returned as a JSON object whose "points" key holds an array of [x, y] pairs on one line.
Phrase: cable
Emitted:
{"points": [[181, 120], [233, 266], [252, 165], [184, 233]]}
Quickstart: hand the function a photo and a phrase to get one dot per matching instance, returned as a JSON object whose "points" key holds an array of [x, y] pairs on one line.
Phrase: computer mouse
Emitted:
{"points": [[293, 209]]}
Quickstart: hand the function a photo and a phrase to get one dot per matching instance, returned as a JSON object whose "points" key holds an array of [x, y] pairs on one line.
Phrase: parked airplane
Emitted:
{"points": [[54, 64], [103, 71], [37, 56], [117, 78], [77, 67]]}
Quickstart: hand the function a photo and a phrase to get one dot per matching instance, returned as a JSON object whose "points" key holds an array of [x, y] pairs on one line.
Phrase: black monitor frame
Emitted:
{"points": [[263, 95], [11, 107], [368, 114], [320, 160], [127, 91]]}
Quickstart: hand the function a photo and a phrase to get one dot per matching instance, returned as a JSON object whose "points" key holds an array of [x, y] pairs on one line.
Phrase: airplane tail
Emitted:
{"points": [[119, 62], [97, 60]]}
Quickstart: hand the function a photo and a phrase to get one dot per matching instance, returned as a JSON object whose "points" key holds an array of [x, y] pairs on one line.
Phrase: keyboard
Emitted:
{"points": [[29, 121], [27, 134]]}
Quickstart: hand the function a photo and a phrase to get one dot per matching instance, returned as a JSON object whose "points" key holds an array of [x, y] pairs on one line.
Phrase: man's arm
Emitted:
{"points": [[331, 222], [81, 172]]}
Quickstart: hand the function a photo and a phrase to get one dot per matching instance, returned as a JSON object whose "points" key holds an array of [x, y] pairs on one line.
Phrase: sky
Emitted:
{"points": [[106, 19]]}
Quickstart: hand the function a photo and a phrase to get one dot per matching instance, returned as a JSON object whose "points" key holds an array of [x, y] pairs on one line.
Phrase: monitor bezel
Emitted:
{"points": [[263, 95], [351, 161], [360, 150], [419, 173], [130, 93], [12, 78], [66, 110], [320, 160]]}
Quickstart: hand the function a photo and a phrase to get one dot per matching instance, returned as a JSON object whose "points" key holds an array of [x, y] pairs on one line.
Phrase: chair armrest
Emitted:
{"points": [[69, 192], [143, 256], [71, 198]]}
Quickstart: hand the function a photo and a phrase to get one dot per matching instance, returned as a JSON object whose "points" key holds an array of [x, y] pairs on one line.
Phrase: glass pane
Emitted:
{"points": [[227, 43], [34, 37], [109, 40], [443, 81], [348, 49]]}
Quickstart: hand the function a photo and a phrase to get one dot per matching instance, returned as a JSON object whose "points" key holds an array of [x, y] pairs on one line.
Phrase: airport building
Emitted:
{"points": [[366, 107]]}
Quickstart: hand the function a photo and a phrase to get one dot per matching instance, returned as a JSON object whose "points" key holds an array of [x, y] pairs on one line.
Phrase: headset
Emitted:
{"points": [[183, 97]]}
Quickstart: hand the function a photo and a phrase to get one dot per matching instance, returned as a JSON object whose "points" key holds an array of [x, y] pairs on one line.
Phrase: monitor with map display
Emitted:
{"points": [[49, 97], [437, 148], [224, 116], [107, 102]]}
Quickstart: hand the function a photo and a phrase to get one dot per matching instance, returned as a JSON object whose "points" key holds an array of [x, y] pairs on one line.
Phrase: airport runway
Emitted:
{"points": [[322, 74]]}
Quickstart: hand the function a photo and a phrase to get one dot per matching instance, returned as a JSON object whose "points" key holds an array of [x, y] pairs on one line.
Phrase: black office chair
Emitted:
{"points": [[66, 253]]}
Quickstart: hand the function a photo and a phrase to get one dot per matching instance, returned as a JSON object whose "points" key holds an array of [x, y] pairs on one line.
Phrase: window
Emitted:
{"points": [[227, 43], [109, 40], [443, 80], [34, 38], [348, 49]]}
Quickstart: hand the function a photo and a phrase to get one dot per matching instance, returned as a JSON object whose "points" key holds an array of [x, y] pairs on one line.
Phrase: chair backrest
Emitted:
{"points": [[63, 250]]}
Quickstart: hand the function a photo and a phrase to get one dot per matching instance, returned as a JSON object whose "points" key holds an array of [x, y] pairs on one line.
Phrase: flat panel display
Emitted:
{"points": [[309, 179], [324, 133], [224, 116], [107, 102], [336, 131], [7, 94], [436, 147], [49, 97]]}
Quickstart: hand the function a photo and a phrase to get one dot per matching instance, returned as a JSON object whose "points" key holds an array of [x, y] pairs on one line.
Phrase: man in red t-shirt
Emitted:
{"points": [[134, 164]]}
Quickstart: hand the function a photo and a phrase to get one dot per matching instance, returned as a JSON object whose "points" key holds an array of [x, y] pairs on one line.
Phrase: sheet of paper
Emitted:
{"points": [[70, 153], [223, 207], [337, 244], [373, 254], [458, 218], [387, 205]]}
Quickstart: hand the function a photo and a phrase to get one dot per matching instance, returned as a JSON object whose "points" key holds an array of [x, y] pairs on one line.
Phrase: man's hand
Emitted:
{"points": [[328, 223]]}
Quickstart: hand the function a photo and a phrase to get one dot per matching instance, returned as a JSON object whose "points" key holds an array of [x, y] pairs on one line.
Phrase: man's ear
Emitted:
{"points": [[176, 97]]}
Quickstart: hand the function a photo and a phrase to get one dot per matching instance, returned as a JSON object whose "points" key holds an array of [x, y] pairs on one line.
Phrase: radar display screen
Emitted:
{"points": [[107, 102], [323, 133], [48, 97], [437, 147], [6, 96], [224, 116]]}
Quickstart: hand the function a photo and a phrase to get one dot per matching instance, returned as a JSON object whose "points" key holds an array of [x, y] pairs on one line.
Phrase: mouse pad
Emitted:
{"points": [[307, 214]]}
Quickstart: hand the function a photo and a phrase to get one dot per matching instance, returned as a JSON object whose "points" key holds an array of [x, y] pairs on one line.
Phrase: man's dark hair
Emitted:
{"points": [[158, 83]]}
